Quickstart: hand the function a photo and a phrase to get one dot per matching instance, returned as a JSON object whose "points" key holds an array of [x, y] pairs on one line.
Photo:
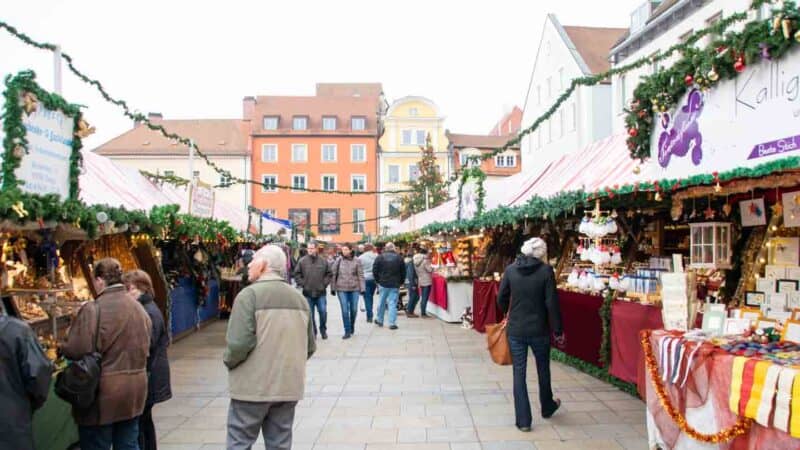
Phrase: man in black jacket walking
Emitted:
{"points": [[528, 295], [25, 374], [389, 271], [313, 274]]}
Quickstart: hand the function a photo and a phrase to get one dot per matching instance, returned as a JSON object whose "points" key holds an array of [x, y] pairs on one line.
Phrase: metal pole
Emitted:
{"points": [[57, 70], [191, 162]]}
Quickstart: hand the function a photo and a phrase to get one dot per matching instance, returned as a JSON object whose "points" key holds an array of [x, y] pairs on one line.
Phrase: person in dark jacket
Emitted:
{"points": [[529, 286], [313, 274], [389, 271], [25, 374], [247, 257], [140, 287], [412, 285]]}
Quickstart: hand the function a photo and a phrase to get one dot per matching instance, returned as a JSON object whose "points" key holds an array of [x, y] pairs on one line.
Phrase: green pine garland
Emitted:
{"points": [[594, 371], [605, 318], [723, 59]]}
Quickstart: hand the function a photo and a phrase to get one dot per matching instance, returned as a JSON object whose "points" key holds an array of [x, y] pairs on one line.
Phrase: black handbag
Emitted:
{"points": [[78, 383]]}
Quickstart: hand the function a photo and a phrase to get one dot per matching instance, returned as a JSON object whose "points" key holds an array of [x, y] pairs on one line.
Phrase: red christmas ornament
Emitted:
{"points": [[688, 79], [739, 65], [633, 132]]}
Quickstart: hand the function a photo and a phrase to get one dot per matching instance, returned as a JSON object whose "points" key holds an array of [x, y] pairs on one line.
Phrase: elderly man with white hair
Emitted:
{"points": [[528, 295], [270, 337]]}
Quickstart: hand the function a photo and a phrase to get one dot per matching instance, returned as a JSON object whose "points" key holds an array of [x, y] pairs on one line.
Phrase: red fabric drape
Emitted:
{"points": [[484, 304], [627, 320], [439, 291], [580, 316]]}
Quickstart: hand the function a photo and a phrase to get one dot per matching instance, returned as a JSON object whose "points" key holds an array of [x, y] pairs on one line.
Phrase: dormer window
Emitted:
{"points": [[358, 123], [299, 123], [271, 122], [329, 123]]}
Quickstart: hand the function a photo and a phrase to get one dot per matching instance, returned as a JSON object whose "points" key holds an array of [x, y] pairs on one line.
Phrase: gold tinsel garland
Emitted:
{"points": [[741, 426]]}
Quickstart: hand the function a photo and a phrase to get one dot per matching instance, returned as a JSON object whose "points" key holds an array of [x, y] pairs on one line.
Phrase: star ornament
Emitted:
{"points": [[777, 209], [709, 213], [30, 103]]}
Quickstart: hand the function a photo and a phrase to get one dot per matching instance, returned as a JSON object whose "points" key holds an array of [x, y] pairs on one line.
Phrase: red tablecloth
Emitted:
{"points": [[708, 387], [580, 316], [439, 291], [484, 304], [627, 320]]}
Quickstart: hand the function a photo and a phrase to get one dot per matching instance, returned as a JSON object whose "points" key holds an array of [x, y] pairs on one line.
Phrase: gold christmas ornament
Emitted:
{"points": [[797, 36], [676, 211], [84, 129], [777, 208], [713, 75], [637, 170], [19, 151], [726, 209], [776, 22], [786, 26], [657, 197], [30, 102], [717, 188]]}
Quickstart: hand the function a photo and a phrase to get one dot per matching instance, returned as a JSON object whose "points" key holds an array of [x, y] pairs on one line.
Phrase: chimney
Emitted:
{"points": [[248, 108]]}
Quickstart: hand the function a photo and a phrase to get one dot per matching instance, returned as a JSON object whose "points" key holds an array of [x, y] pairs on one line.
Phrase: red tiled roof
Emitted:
{"points": [[349, 89], [594, 44], [315, 108], [212, 136], [478, 141]]}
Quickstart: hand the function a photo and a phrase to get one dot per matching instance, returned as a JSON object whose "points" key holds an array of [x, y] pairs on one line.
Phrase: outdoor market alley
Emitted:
{"points": [[427, 386]]}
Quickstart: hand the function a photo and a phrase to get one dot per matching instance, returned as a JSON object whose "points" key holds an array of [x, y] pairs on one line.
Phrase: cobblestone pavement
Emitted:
{"points": [[427, 386]]}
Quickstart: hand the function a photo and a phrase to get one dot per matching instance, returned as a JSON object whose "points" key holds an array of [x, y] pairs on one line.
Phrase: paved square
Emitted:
{"points": [[427, 386]]}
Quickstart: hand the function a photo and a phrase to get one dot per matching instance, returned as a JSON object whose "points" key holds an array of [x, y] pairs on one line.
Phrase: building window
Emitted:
{"points": [[329, 182], [270, 212], [561, 80], [225, 180], [270, 122], [685, 36], [358, 183], [406, 137], [196, 174], [328, 152], [299, 123], [621, 94], [269, 153], [549, 130], [299, 153], [269, 183], [421, 137], [413, 112], [413, 172], [573, 119], [329, 123], [358, 153], [710, 22], [539, 137], [561, 122], [358, 123], [299, 182], [169, 173], [359, 226], [469, 159], [394, 208], [505, 161], [549, 87], [394, 173], [328, 221]]}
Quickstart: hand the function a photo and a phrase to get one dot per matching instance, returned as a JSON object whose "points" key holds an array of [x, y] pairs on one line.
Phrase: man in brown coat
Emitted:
{"points": [[124, 343]]}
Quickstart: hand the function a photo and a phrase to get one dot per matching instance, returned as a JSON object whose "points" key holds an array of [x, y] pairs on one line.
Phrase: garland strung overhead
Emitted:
{"points": [[723, 59]]}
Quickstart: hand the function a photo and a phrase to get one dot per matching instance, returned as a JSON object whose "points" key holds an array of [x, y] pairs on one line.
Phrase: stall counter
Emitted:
{"points": [[583, 329], [449, 299]]}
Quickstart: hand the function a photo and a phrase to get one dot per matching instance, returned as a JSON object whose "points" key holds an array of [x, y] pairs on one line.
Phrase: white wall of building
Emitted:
{"points": [[581, 119], [623, 86], [237, 195]]}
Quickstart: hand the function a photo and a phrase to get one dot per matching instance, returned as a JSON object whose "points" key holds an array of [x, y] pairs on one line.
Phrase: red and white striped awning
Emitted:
{"points": [[605, 163]]}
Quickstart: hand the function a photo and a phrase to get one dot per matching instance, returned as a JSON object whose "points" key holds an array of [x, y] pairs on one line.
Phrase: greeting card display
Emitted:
{"points": [[791, 209], [784, 251], [753, 212]]}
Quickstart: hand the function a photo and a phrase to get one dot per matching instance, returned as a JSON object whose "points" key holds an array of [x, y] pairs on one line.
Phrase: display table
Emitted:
{"points": [[704, 401], [484, 304], [53, 426], [448, 300], [628, 319], [583, 329]]}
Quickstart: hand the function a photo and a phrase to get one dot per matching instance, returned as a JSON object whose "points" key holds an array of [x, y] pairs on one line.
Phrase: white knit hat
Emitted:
{"points": [[535, 247]]}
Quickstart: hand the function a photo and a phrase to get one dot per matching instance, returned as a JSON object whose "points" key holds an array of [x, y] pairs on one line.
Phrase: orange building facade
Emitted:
{"points": [[326, 142]]}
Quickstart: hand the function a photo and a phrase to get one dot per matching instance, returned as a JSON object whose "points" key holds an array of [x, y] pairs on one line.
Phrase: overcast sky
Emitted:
{"points": [[197, 59]]}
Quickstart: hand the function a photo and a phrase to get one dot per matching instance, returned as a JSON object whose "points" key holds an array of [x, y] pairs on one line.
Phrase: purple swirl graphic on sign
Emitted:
{"points": [[683, 136]]}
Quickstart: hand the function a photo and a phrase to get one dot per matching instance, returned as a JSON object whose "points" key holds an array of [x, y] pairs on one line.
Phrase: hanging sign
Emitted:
{"points": [[201, 200], [745, 122], [469, 199], [45, 168]]}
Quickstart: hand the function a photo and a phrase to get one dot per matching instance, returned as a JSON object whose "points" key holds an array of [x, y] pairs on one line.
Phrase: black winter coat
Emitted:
{"points": [[25, 374], [389, 270], [159, 388], [534, 309]]}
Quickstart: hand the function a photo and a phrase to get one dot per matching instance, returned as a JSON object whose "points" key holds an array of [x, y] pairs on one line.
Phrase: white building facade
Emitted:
{"points": [[566, 53]]}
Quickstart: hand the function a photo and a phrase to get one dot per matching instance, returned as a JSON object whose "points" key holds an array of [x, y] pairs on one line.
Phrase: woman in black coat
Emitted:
{"points": [[140, 287]]}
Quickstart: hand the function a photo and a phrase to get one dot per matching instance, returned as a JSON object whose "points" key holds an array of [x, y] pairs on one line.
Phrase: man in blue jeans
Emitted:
{"points": [[313, 275], [389, 272], [367, 261], [528, 294]]}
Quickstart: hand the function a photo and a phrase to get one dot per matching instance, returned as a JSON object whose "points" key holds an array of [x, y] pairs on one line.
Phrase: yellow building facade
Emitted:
{"points": [[408, 122]]}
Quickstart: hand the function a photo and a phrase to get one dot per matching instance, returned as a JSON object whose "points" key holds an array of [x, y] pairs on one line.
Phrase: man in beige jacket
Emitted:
{"points": [[270, 337]]}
